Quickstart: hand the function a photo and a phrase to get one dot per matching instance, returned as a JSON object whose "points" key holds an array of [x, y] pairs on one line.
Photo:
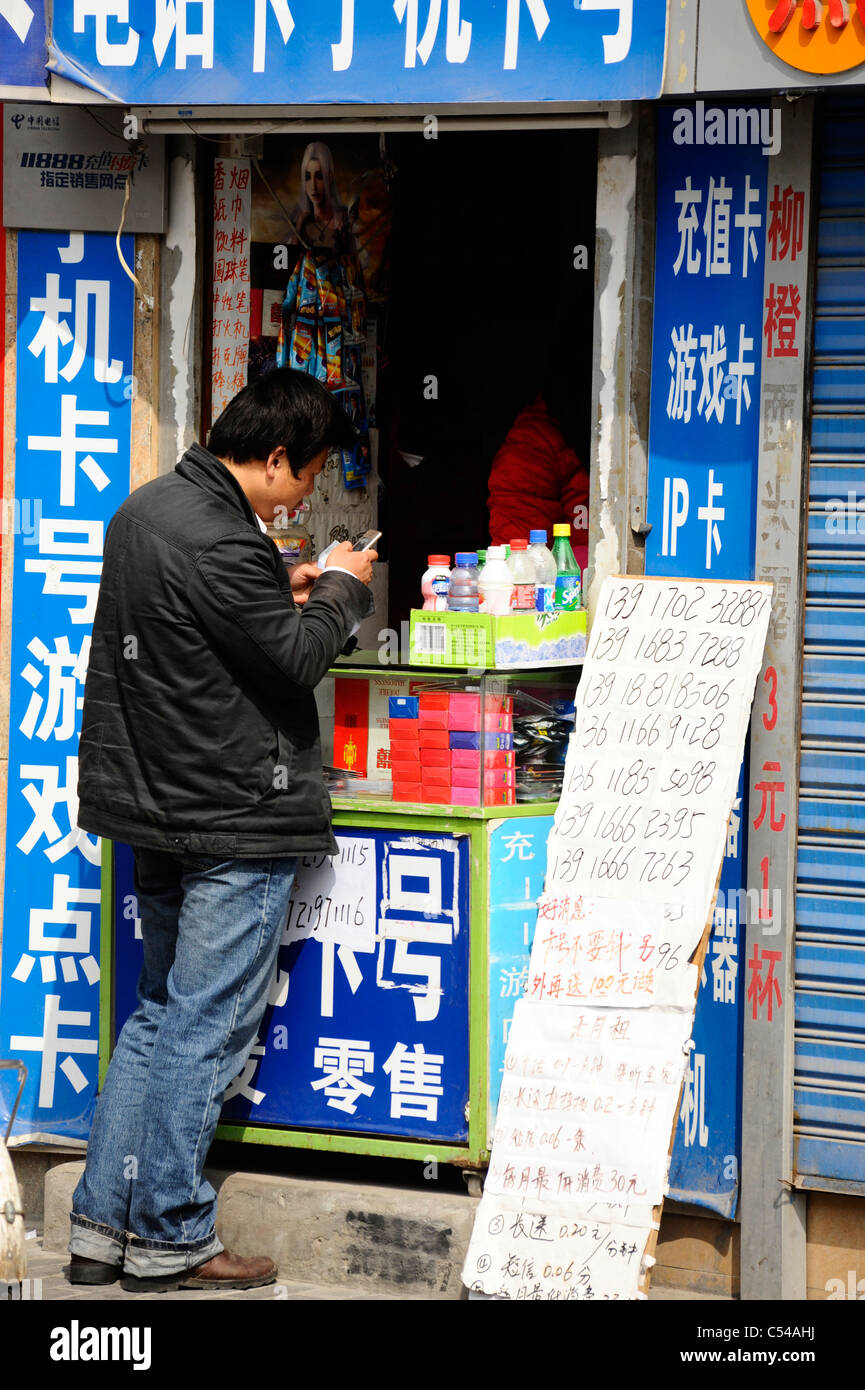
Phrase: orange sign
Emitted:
{"points": [[820, 36]]}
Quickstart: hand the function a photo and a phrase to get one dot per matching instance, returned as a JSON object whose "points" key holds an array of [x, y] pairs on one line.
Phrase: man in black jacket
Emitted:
{"points": [[200, 748]]}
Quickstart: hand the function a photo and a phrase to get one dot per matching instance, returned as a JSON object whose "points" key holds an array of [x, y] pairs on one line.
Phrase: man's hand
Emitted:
{"points": [[359, 562], [302, 578]]}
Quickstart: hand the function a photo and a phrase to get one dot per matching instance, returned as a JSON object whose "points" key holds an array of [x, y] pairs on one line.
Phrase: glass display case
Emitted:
{"points": [[468, 742]]}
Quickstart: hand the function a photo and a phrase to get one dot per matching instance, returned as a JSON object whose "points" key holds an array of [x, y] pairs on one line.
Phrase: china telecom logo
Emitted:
{"points": [[819, 36]]}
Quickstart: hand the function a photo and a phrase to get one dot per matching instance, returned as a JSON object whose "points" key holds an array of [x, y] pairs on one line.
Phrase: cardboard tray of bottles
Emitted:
{"points": [[480, 640]]}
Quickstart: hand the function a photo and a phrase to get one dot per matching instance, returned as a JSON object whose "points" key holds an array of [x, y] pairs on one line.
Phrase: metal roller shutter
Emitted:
{"points": [[829, 1097]]}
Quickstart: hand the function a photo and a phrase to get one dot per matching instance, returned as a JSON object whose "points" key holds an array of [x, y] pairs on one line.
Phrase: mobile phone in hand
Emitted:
{"points": [[367, 540]]}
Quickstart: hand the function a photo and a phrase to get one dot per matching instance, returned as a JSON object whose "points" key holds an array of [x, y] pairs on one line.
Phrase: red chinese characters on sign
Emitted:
{"points": [[783, 311], [231, 284], [786, 232], [769, 789], [765, 987], [770, 678]]}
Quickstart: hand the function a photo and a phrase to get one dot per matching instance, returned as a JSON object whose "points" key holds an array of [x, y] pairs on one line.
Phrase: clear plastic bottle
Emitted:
{"points": [[545, 571], [524, 577], [463, 589], [435, 583], [568, 575], [496, 585]]}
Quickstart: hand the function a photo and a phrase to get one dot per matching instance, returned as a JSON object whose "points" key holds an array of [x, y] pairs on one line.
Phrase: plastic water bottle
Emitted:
{"points": [[496, 585], [463, 589], [435, 583], [568, 575], [545, 571], [524, 576]]}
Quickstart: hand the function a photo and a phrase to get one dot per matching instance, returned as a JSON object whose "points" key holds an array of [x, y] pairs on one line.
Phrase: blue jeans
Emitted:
{"points": [[211, 929]]}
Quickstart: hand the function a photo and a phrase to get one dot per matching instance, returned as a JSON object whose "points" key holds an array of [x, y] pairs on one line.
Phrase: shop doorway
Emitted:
{"points": [[486, 301], [474, 253]]}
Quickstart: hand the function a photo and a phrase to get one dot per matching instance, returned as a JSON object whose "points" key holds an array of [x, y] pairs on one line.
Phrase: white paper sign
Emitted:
{"points": [[590, 950], [523, 1251], [599, 1046], [661, 713], [334, 896], [587, 1104]]}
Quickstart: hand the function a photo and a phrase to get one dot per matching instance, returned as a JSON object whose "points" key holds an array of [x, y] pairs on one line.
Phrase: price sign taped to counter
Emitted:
{"points": [[334, 896], [598, 1047]]}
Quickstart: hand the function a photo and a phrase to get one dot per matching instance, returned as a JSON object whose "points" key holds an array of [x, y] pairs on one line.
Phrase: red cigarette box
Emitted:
{"points": [[403, 730], [433, 700], [433, 738], [405, 769], [435, 757], [406, 791], [433, 718], [500, 796]]}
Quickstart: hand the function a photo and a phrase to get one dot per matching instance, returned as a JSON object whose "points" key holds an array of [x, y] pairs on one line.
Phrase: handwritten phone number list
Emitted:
{"points": [[659, 713]]}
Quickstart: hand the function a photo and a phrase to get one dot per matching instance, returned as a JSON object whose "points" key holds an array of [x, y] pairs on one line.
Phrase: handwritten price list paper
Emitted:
{"points": [[598, 1046]]}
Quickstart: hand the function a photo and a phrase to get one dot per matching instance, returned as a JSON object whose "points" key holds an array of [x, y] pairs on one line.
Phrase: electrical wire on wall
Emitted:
{"points": [[135, 147], [146, 298]]}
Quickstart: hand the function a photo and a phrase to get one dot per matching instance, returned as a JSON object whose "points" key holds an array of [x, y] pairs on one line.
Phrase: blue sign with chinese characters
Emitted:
{"points": [[517, 866], [707, 342], [713, 164], [22, 47], [74, 393], [704, 1168], [206, 52], [367, 1026]]}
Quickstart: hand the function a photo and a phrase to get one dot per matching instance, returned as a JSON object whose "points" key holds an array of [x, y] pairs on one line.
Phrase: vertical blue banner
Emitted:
{"points": [[517, 868], [704, 1168], [22, 47], [73, 413], [713, 166], [367, 1028], [706, 346]]}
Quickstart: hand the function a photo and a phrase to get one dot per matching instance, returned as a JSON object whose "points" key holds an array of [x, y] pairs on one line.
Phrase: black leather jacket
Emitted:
{"points": [[200, 731]]}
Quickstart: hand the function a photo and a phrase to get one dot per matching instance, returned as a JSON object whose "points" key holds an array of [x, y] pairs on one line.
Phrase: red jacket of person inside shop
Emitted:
{"points": [[537, 480]]}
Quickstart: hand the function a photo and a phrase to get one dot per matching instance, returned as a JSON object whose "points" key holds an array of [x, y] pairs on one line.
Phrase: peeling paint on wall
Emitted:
{"points": [[180, 299], [617, 176]]}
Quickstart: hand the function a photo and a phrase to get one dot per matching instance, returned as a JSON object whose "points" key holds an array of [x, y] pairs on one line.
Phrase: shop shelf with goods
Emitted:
{"points": [[403, 955]]}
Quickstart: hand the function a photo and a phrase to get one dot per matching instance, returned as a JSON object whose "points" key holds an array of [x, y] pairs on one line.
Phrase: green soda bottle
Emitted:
{"points": [[568, 577]]}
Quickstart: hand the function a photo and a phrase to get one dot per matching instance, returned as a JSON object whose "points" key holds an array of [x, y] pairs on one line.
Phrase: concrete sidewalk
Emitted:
{"points": [[349, 1241], [47, 1282]]}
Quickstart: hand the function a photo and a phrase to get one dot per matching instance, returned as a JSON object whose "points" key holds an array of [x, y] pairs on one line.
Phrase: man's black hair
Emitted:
{"points": [[286, 408]]}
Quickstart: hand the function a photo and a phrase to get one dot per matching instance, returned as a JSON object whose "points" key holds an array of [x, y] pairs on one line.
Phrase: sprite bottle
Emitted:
{"points": [[568, 577]]}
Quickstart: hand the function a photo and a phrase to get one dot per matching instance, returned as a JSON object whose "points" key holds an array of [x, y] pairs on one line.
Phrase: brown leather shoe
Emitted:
{"points": [[228, 1271]]}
